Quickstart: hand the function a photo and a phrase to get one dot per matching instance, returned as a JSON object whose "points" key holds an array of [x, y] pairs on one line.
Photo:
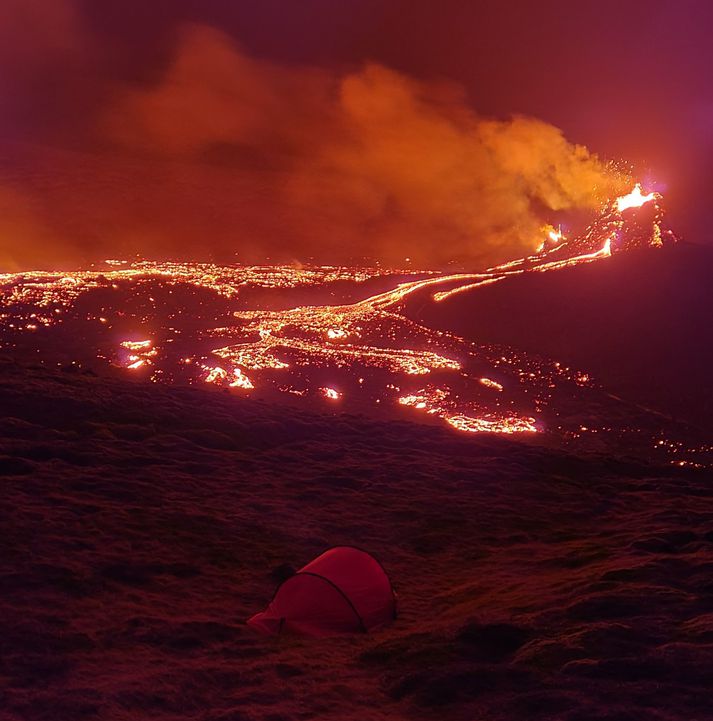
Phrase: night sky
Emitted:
{"points": [[122, 129]]}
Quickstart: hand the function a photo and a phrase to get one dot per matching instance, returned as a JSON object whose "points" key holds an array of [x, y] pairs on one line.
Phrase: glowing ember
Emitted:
{"points": [[635, 199], [425, 399], [216, 375], [241, 380], [436, 401], [492, 425], [488, 383], [142, 353], [413, 401], [331, 393], [136, 344]]}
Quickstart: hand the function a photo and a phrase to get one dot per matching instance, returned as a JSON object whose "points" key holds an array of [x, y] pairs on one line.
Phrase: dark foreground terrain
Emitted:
{"points": [[142, 525]]}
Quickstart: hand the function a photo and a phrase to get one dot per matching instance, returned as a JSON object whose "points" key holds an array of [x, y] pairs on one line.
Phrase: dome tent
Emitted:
{"points": [[345, 590]]}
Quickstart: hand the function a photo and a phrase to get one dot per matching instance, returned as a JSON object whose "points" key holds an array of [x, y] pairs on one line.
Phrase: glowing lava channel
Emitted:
{"points": [[290, 351]]}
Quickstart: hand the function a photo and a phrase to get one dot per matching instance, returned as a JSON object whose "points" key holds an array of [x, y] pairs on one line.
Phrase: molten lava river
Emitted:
{"points": [[337, 337]]}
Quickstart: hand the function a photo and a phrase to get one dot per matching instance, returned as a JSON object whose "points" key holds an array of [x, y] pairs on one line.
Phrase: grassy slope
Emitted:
{"points": [[141, 525]]}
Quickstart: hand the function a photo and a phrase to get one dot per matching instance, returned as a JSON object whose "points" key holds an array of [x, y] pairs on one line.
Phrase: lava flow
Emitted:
{"points": [[193, 322]]}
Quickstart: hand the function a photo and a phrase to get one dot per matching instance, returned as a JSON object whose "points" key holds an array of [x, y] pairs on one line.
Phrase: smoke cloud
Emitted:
{"points": [[226, 156]]}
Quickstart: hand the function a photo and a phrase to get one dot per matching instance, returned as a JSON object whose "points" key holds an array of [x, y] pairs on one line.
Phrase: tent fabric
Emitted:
{"points": [[345, 590]]}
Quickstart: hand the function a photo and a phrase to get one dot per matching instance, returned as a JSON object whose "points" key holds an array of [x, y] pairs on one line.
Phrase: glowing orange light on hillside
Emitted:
{"points": [[136, 345], [241, 381], [635, 199], [507, 424], [141, 355], [415, 401], [215, 375]]}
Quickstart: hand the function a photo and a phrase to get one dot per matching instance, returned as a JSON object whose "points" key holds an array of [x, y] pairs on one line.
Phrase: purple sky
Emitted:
{"points": [[630, 80]]}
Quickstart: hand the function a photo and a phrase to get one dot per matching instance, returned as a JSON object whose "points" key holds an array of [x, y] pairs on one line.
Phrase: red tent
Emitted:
{"points": [[345, 590]]}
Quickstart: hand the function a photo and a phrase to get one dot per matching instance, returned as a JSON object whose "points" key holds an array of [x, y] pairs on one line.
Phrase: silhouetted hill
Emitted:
{"points": [[640, 321]]}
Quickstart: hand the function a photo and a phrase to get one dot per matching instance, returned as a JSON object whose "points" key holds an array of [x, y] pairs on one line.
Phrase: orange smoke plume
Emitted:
{"points": [[226, 154]]}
